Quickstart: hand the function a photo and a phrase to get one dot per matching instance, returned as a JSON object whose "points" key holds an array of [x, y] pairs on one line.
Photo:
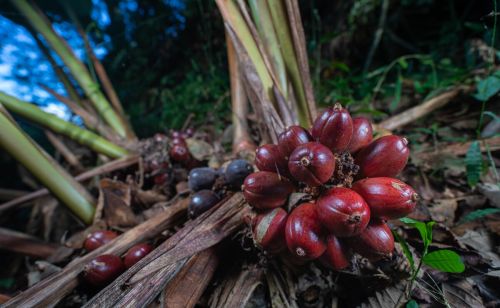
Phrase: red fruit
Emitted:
{"points": [[189, 132], [98, 238], [388, 198], [179, 141], [304, 234], [291, 138], [386, 156], [102, 270], [375, 243], [266, 190], [180, 154], [269, 230], [176, 134], [333, 128], [362, 134], [312, 163], [343, 212], [160, 179], [335, 255], [136, 253], [269, 158]]}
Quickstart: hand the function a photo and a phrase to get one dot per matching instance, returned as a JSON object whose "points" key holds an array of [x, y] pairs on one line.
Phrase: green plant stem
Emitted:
{"points": [[55, 124], [280, 21], [264, 24], [41, 24], [65, 188]]}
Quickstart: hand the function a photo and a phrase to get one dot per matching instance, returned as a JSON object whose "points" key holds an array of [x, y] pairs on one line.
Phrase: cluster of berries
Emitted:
{"points": [[209, 184], [340, 217]]}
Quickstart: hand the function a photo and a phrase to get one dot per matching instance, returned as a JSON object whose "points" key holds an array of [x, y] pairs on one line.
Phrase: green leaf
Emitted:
{"points": [[478, 214], [403, 63], [473, 163], [488, 87], [411, 304], [425, 230], [406, 249], [444, 260]]}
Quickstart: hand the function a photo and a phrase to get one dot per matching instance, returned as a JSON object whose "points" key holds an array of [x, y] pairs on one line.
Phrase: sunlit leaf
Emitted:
{"points": [[444, 260]]}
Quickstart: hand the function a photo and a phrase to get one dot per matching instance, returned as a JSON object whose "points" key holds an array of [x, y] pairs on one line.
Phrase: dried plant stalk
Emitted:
{"points": [[51, 290], [158, 267]]}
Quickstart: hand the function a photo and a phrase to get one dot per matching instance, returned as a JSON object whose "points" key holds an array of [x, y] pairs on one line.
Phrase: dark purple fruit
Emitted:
{"points": [[102, 270], [201, 202], [266, 190], [236, 172], [362, 134], [202, 178], [343, 212], [291, 138], [312, 163], [386, 156], [333, 128]]}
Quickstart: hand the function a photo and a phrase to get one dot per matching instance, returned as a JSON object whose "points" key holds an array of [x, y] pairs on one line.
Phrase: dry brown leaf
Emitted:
{"points": [[461, 293], [117, 199]]}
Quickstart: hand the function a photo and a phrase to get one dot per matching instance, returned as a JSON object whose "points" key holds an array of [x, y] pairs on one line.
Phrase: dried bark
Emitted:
{"points": [[237, 289], [188, 285], [108, 167], [412, 114], [49, 291], [28, 245], [140, 284]]}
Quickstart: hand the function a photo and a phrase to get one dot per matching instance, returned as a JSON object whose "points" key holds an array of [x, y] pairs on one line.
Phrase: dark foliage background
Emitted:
{"points": [[167, 59]]}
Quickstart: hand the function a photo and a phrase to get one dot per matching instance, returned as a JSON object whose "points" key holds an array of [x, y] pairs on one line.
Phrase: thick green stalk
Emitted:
{"points": [[57, 125], [280, 20], [264, 24], [66, 189], [233, 17], [78, 70]]}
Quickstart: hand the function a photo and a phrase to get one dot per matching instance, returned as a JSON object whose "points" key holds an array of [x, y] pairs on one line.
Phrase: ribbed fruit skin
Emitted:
{"points": [[269, 158], [384, 157], [266, 190], [103, 269], [343, 212], [98, 238], [136, 253], [312, 163], [334, 128], [388, 198], [362, 134], [304, 234], [375, 243], [336, 254], [291, 138], [269, 230]]}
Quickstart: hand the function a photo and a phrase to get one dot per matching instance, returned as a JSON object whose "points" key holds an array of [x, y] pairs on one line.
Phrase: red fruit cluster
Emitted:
{"points": [[338, 220], [179, 151]]}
